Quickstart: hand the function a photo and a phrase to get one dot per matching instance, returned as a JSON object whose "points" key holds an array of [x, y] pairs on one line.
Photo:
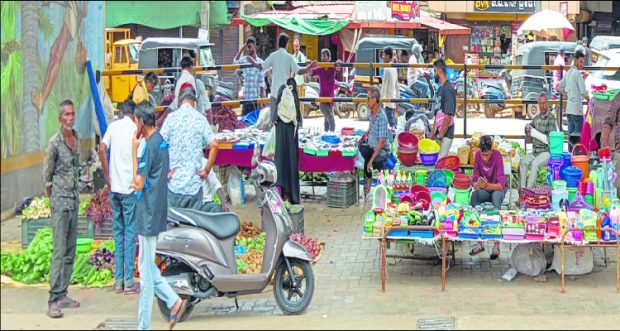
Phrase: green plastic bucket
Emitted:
{"points": [[572, 191], [420, 178], [556, 142], [461, 197], [589, 199]]}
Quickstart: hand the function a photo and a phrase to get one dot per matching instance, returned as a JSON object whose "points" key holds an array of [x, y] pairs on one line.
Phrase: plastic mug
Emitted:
{"points": [[577, 235]]}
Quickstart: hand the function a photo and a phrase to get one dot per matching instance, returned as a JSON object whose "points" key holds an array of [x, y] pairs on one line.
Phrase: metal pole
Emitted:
{"points": [[372, 74], [561, 102], [464, 100]]}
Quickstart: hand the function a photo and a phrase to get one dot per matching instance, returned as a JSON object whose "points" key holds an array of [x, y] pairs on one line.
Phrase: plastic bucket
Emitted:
{"points": [[581, 161], [572, 175], [556, 142], [461, 197], [449, 176], [428, 146], [572, 191], [420, 179], [559, 185]]}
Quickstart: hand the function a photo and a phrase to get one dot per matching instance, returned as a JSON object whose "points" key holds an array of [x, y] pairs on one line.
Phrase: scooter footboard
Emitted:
{"points": [[293, 249]]}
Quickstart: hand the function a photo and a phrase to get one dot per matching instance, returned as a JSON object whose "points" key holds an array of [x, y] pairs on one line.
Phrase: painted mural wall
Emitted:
{"points": [[44, 47]]}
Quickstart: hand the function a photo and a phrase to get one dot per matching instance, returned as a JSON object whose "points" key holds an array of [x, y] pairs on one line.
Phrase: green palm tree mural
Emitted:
{"points": [[11, 81]]}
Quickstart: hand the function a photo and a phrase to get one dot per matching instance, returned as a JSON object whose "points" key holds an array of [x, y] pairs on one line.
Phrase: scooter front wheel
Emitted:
{"points": [[293, 293]]}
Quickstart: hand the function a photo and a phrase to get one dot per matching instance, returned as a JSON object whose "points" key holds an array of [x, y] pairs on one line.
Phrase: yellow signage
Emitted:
{"points": [[482, 5]]}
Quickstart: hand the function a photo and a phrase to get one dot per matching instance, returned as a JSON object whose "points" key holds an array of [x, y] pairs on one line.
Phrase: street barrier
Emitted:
{"points": [[464, 100]]}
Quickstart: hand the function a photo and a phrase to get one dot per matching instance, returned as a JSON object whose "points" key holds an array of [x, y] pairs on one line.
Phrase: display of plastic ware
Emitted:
{"points": [[572, 176], [423, 197], [428, 146], [461, 197], [407, 197], [429, 159], [567, 160], [582, 161], [554, 166], [415, 188], [559, 185], [407, 140], [437, 178], [556, 142]]}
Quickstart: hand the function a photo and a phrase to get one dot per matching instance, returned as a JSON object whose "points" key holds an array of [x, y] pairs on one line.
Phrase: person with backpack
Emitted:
{"points": [[287, 121]]}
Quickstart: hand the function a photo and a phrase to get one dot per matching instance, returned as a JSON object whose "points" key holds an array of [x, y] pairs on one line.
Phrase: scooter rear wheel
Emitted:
{"points": [[293, 297]]}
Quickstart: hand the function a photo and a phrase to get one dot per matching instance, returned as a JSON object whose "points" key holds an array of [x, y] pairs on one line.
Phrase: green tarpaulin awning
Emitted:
{"points": [[164, 15], [317, 27]]}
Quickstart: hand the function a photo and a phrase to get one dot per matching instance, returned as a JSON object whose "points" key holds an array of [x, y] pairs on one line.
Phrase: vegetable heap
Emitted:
{"points": [[38, 208], [33, 265], [250, 252], [312, 246], [99, 209]]}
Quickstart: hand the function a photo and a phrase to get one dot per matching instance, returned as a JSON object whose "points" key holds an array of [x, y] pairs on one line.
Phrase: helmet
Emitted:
{"points": [[266, 173]]}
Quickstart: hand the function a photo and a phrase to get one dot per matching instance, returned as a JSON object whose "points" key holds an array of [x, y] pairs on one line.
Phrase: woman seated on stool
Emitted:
{"points": [[489, 183]]}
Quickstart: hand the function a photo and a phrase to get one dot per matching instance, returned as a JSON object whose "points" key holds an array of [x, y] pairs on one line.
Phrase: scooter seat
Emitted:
{"points": [[221, 225]]}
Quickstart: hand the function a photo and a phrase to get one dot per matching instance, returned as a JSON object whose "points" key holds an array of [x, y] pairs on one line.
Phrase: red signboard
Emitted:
{"points": [[405, 10]]}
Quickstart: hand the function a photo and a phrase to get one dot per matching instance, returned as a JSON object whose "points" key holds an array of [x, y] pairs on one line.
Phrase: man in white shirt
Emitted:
{"points": [[203, 105], [282, 64], [119, 178], [574, 85], [390, 89]]}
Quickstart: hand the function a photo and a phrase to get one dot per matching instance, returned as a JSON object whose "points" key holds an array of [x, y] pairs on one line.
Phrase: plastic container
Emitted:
{"points": [[572, 175], [462, 197], [463, 153], [555, 166], [572, 192], [589, 199], [437, 178], [581, 161], [449, 176], [589, 188], [461, 181], [450, 162], [438, 197], [428, 146], [557, 196], [407, 140], [556, 142], [429, 159], [407, 160], [83, 245], [331, 139], [559, 185]]}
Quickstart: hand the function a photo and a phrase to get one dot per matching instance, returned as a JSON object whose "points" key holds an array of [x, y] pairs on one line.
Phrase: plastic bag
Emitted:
{"points": [[359, 160], [233, 186], [270, 145], [264, 119], [529, 259], [577, 261]]}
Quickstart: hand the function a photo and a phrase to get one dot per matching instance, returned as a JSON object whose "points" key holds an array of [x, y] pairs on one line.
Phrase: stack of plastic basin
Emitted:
{"points": [[407, 148]]}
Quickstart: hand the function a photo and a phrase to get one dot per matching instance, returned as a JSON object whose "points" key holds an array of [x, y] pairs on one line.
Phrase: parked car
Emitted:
{"points": [[603, 43], [609, 78]]}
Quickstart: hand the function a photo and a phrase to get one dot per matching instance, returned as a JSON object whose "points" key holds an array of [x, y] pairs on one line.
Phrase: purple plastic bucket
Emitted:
{"points": [[429, 159], [589, 188]]}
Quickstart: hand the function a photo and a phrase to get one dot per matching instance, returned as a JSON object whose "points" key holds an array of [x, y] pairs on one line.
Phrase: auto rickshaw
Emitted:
{"points": [[168, 52], [121, 53], [526, 84], [370, 49]]}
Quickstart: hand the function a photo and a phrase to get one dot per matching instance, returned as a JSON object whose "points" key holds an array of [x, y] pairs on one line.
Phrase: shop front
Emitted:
{"points": [[494, 26]]}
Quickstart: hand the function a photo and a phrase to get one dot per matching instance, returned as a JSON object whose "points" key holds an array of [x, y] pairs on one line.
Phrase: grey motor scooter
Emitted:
{"points": [[198, 258]]}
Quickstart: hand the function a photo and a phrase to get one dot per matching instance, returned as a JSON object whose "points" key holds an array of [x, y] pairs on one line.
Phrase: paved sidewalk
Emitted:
{"points": [[348, 291]]}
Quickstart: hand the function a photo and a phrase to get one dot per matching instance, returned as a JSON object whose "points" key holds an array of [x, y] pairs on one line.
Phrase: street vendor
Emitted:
{"points": [[539, 130], [377, 149], [489, 183], [489, 179]]}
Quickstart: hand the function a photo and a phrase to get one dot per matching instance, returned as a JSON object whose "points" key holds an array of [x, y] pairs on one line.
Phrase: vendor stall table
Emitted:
{"points": [[334, 162], [392, 235]]}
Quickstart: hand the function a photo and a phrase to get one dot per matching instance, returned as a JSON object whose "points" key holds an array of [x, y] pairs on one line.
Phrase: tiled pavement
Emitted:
{"points": [[348, 284]]}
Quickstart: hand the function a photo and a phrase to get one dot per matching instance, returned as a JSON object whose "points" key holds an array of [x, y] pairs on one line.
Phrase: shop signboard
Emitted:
{"points": [[505, 6], [406, 10]]}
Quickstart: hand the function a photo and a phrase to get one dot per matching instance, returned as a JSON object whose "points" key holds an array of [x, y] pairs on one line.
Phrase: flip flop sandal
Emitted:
{"points": [[494, 253], [476, 250], [174, 317]]}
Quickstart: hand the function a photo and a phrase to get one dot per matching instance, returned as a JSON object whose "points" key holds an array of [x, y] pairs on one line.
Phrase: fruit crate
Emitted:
{"points": [[296, 212], [105, 231], [85, 228], [341, 195]]}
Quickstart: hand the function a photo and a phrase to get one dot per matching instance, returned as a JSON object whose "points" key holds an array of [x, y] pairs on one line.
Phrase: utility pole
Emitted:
{"points": [[204, 17]]}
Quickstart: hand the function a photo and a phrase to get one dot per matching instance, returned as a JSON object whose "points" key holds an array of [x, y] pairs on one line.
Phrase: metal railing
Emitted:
{"points": [[364, 65]]}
